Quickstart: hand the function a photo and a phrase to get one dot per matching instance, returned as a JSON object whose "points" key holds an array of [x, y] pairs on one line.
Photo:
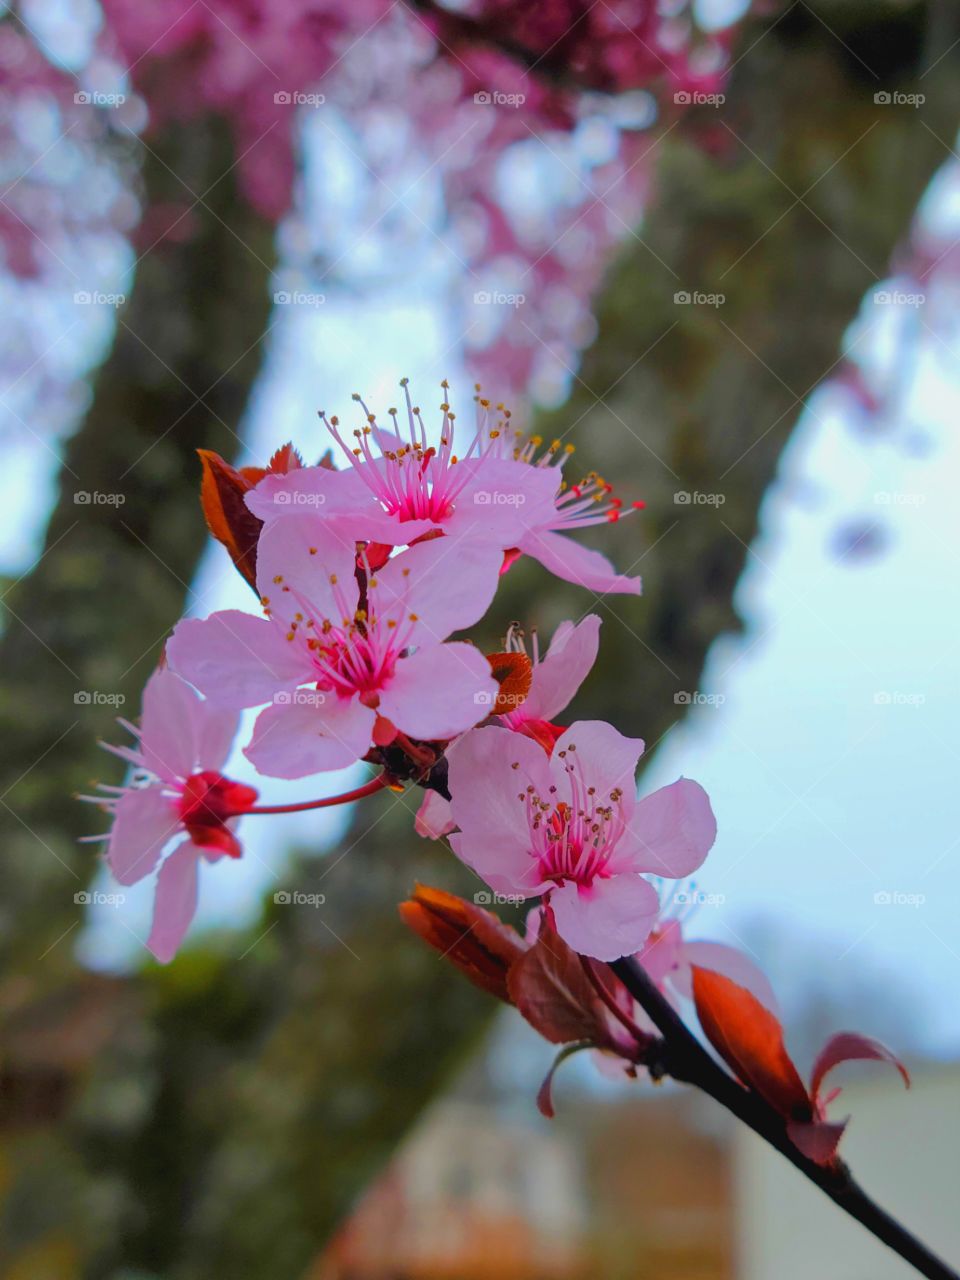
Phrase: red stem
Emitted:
{"points": [[368, 789]]}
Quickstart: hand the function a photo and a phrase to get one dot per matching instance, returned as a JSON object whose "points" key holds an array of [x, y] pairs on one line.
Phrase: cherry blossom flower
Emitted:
{"points": [[495, 492], [370, 648], [554, 680], [177, 789], [569, 828]]}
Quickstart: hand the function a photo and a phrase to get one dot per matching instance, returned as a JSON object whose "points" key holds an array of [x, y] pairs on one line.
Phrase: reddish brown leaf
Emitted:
{"points": [[848, 1046], [551, 990], [481, 946], [750, 1040], [513, 672], [228, 518], [545, 1092]]}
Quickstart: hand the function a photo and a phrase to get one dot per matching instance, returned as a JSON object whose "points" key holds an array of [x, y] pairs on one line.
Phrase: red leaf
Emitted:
{"points": [[545, 1092], [848, 1046], [551, 990], [750, 1040], [222, 492], [481, 946], [817, 1141]]}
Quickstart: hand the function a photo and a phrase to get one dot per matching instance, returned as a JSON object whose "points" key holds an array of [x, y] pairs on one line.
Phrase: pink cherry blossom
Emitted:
{"points": [[495, 491], [555, 679], [370, 649], [569, 828], [177, 788]]}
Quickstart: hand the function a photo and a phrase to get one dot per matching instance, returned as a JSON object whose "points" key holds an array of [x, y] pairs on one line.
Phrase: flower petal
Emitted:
{"points": [[306, 567], [671, 831], [502, 501], [558, 676], [434, 818], [601, 758], [145, 820], [295, 739], [484, 788], [168, 726], [607, 919], [175, 904], [448, 585], [575, 563], [439, 691], [236, 660], [728, 961]]}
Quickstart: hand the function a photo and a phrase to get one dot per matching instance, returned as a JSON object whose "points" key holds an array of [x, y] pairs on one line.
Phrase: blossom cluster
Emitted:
{"points": [[364, 574]]}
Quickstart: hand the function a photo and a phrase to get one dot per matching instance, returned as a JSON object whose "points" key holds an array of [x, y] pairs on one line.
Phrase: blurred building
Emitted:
{"points": [[659, 1185], [476, 1194]]}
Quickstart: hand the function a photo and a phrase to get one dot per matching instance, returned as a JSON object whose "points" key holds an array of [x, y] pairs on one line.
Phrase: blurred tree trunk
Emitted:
{"points": [[232, 1115]]}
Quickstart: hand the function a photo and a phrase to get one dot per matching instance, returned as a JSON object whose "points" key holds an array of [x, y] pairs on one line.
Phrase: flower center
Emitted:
{"points": [[573, 840], [208, 799], [411, 479]]}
